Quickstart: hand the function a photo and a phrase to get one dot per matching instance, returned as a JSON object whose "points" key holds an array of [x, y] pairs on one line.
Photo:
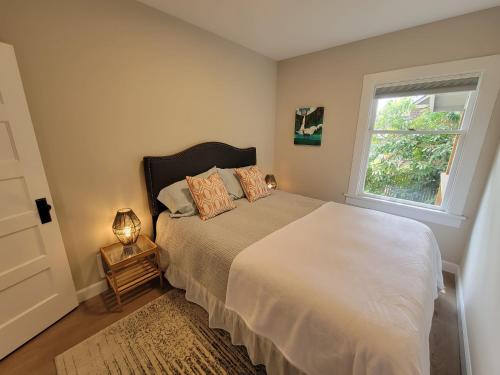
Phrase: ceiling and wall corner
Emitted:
{"points": [[281, 29]]}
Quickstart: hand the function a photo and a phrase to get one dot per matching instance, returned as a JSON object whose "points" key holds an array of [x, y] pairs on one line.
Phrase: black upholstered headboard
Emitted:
{"points": [[161, 171]]}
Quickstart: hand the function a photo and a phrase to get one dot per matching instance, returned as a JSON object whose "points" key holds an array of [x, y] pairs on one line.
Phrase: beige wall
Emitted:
{"points": [[109, 81], [481, 279], [333, 78]]}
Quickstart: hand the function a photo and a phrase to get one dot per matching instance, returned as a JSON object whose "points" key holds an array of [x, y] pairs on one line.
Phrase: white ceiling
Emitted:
{"points": [[285, 28]]}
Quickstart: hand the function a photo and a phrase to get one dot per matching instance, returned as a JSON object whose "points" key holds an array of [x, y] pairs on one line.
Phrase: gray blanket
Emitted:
{"points": [[204, 250]]}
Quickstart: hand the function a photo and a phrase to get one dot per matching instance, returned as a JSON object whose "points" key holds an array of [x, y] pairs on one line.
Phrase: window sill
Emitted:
{"points": [[412, 212]]}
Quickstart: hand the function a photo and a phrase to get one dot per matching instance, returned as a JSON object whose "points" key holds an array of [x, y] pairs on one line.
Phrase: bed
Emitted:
{"points": [[307, 286]]}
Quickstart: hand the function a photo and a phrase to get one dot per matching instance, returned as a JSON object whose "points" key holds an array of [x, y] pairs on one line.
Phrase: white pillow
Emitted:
{"points": [[178, 199]]}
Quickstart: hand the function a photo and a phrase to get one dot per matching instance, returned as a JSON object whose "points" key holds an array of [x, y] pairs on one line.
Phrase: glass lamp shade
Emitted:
{"points": [[126, 226], [271, 182]]}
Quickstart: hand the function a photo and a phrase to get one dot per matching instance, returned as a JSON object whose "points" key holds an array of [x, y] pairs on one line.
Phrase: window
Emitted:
{"points": [[419, 130], [414, 136]]}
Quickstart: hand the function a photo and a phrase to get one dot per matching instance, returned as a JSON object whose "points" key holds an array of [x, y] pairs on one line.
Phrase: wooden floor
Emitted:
{"points": [[37, 355]]}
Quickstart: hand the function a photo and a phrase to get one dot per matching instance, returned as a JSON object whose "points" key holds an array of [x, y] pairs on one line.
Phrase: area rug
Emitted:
{"points": [[167, 336]]}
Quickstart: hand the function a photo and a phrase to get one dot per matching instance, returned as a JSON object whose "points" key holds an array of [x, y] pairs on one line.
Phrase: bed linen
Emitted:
{"points": [[205, 250], [342, 290]]}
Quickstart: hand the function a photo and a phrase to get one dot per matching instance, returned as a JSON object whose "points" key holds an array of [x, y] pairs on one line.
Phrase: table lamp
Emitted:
{"points": [[271, 182], [126, 228]]}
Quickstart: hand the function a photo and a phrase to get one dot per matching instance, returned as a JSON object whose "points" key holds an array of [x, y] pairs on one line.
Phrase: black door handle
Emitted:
{"points": [[43, 210]]}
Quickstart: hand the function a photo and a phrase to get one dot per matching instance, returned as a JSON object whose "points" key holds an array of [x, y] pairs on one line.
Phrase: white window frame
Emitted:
{"points": [[475, 124]]}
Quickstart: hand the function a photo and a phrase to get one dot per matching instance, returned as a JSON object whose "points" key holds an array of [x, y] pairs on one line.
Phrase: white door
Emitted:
{"points": [[36, 287]]}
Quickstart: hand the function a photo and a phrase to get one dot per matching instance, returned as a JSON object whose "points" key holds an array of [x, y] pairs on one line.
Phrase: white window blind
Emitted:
{"points": [[427, 87]]}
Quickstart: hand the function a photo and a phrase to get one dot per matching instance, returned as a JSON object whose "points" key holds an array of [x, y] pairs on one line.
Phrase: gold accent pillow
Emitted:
{"points": [[210, 195], [253, 183]]}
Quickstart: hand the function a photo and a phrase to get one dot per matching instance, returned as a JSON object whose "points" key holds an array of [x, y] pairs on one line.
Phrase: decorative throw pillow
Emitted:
{"points": [[253, 183], [210, 195], [177, 198]]}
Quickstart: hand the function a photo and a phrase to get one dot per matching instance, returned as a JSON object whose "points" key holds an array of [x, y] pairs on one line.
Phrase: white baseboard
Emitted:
{"points": [[91, 290], [462, 329]]}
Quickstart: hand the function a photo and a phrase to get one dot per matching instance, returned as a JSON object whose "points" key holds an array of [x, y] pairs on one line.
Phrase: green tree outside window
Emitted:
{"points": [[408, 166]]}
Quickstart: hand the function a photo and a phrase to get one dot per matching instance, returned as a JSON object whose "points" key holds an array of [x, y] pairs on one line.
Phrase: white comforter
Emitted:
{"points": [[343, 290]]}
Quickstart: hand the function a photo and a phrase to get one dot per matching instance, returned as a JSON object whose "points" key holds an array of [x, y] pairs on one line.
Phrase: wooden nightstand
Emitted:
{"points": [[126, 271]]}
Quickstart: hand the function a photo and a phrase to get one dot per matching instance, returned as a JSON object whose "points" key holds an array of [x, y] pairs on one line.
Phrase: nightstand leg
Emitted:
{"points": [[117, 293], [119, 301]]}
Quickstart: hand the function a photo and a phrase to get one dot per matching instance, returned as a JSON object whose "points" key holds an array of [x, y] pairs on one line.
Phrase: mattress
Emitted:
{"points": [[205, 250]]}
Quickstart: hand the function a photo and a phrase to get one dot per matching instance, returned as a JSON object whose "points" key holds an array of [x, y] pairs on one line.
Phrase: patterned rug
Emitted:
{"points": [[167, 336]]}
